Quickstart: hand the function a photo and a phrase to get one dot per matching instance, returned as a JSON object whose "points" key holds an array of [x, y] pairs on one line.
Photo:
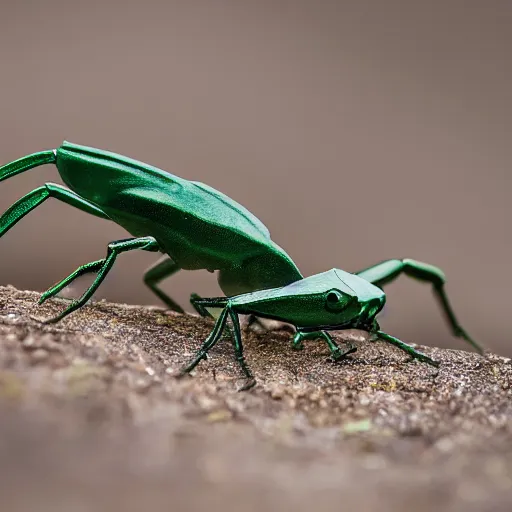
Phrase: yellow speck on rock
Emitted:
{"points": [[355, 427], [219, 415], [11, 386]]}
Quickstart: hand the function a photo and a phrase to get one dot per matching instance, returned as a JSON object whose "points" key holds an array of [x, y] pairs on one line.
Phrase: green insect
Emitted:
{"points": [[197, 227]]}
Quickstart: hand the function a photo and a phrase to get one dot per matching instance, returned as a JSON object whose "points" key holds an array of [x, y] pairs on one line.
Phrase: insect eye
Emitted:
{"points": [[334, 301]]}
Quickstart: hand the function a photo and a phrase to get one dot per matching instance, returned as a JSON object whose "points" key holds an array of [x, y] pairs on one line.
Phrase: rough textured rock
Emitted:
{"points": [[92, 418]]}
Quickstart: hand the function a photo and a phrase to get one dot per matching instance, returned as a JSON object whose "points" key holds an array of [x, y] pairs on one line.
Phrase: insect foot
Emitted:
{"points": [[250, 383], [338, 355]]}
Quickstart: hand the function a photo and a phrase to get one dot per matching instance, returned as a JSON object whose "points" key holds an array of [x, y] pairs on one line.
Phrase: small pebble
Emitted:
{"points": [[39, 355]]}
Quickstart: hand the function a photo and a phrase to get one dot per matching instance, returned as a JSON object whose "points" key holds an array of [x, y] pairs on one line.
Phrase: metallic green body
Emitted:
{"points": [[197, 227], [331, 300]]}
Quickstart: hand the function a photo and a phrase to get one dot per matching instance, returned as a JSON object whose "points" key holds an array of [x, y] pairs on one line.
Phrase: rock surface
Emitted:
{"points": [[92, 418]]}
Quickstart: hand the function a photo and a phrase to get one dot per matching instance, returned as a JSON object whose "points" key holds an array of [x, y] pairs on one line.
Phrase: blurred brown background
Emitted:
{"points": [[357, 131]]}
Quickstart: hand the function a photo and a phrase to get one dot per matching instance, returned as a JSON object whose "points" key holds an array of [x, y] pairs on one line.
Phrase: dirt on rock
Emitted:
{"points": [[92, 417]]}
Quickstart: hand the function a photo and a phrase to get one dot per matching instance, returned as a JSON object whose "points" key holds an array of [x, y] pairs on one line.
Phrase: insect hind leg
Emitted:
{"points": [[33, 199], [27, 162], [94, 266], [163, 268], [103, 267]]}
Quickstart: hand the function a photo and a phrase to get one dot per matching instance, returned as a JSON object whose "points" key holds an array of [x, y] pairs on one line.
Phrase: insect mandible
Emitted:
{"points": [[197, 227]]}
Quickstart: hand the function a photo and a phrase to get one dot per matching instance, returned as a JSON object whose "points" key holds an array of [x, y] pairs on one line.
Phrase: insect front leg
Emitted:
{"points": [[204, 306], [387, 271], [416, 354], [102, 267], [239, 350], [197, 303], [212, 339]]}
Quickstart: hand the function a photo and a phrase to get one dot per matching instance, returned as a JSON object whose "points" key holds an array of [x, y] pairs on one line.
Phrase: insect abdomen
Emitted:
{"points": [[190, 220]]}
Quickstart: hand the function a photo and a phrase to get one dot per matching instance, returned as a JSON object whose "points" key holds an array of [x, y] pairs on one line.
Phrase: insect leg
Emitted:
{"points": [[336, 352], [80, 271], [386, 271], [163, 268], [407, 348], [103, 267], [26, 163], [33, 199], [212, 339], [239, 349], [207, 308], [202, 306], [196, 302]]}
